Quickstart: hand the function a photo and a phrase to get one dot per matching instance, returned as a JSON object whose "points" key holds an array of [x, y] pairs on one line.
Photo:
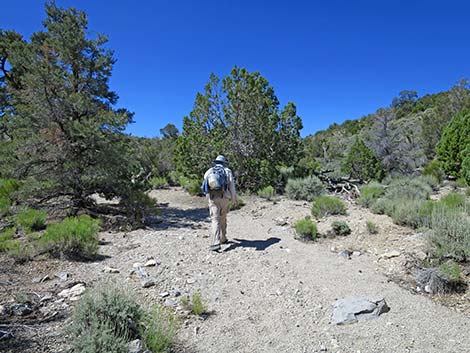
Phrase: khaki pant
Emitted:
{"points": [[218, 208]]}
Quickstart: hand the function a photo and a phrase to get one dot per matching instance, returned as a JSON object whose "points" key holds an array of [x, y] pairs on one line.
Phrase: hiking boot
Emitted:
{"points": [[225, 241], [215, 247]]}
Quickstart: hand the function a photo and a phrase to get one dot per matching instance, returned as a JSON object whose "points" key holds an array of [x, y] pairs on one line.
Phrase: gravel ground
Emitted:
{"points": [[265, 291]]}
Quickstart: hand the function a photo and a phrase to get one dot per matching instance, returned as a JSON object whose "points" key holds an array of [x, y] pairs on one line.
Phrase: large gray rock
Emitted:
{"points": [[350, 310]]}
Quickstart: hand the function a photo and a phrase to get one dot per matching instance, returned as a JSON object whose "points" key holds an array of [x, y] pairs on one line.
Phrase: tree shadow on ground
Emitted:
{"points": [[258, 245], [172, 217]]}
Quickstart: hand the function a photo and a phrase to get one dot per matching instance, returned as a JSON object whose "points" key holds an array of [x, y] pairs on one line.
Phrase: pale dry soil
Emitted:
{"points": [[266, 291]]}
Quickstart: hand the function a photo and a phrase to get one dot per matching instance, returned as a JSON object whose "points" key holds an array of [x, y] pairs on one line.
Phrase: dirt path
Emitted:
{"points": [[269, 292]]}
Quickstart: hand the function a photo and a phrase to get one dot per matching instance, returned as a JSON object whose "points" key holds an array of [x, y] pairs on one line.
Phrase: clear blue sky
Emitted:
{"points": [[336, 60]]}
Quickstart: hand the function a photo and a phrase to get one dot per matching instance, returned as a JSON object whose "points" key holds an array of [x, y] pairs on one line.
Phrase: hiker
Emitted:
{"points": [[219, 187]]}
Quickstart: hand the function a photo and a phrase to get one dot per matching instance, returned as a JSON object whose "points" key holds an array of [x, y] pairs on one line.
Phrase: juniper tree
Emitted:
{"points": [[361, 163]]}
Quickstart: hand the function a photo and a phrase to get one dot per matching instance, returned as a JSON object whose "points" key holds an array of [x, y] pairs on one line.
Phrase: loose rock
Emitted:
{"points": [[390, 254], [350, 310], [148, 282], [135, 346], [150, 263], [73, 293], [110, 270], [63, 276], [345, 253]]}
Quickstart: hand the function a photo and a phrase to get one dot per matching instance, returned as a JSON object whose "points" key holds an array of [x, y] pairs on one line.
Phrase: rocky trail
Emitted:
{"points": [[265, 291]]}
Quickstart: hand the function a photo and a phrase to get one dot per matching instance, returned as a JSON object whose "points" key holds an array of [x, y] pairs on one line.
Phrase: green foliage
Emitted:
{"points": [[455, 139], [137, 206], [74, 236], [158, 182], [193, 187], [370, 193], [461, 182], [8, 187], [434, 169], [431, 180], [466, 165], [304, 189], [266, 192], [340, 228], [4, 206], [453, 200], [240, 204], [64, 134], [159, 331], [306, 228], [372, 227], [361, 163], [450, 270], [328, 205], [105, 320], [414, 189], [31, 219], [239, 117], [196, 305], [450, 234], [7, 243]]}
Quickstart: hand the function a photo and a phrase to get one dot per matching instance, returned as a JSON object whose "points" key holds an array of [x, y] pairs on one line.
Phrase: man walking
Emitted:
{"points": [[219, 187]]}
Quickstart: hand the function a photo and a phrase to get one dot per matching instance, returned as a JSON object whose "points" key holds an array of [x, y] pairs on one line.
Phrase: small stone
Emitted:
{"points": [[135, 346], [427, 289], [280, 221], [190, 281], [345, 253], [356, 253], [175, 292], [196, 330], [36, 280], [21, 309], [390, 254], [137, 265], [150, 263], [74, 292], [3, 311], [181, 238], [110, 270], [147, 283], [46, 297], [323, 348], [63, 276], [171, 302], [164, 294], [45, 278]]}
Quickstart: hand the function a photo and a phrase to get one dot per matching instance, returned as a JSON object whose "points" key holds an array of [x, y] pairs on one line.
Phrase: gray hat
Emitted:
{"points": [[221, 160]]}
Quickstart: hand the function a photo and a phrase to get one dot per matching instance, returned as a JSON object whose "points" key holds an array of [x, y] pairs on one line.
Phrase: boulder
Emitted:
{"points": [[73, 293]]}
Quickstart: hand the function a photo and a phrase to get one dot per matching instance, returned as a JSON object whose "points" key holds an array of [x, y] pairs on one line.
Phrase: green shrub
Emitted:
{"points": [[193, 187], [7, 187], [430, 180], [372, 227], [31, 219], [183, 181], [328, 205], [7, 243], [409, 188], [370, 193], [74, 236], [450, 271], [174, 178], [158, 182], [266, 192], [434, 169], [450, 233], [105, 320], [304, 189], [306, 228], [159, 330], [5, 204], [461, 182], [240, 204], [195, 305], [340, 228], [453, 200]]}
